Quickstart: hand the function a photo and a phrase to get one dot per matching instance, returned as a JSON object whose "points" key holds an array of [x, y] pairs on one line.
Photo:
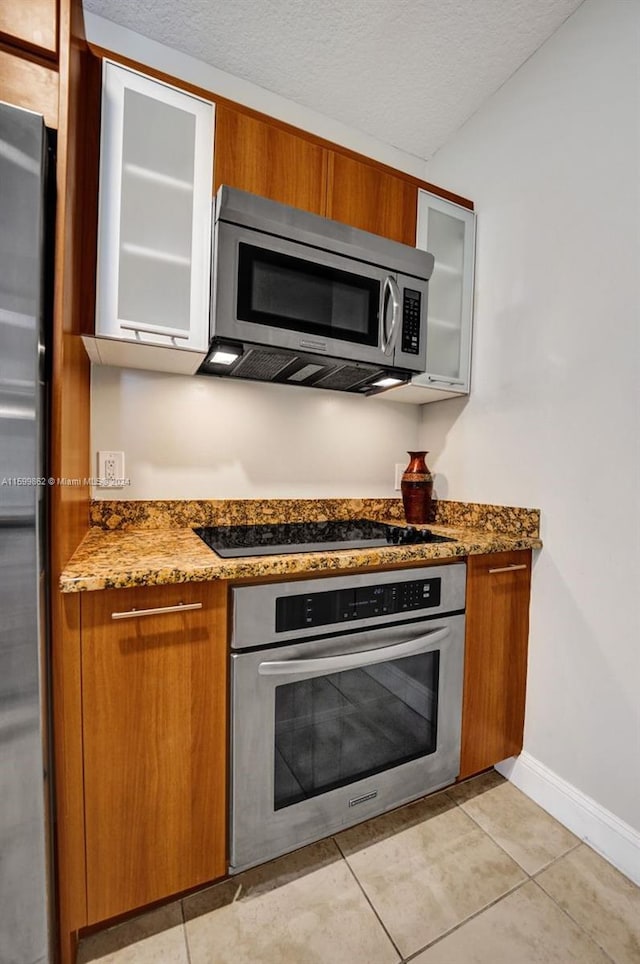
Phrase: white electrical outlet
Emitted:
{"points": [[400, 467], [110, 470]]}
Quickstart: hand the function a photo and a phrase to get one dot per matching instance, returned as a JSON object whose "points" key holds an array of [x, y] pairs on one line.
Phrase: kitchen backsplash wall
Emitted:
{"points": [[186, 437]]}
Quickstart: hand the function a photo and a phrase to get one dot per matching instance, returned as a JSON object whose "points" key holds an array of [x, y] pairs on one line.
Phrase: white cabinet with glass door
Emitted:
{"points": [[154, 229], [447, 230]]}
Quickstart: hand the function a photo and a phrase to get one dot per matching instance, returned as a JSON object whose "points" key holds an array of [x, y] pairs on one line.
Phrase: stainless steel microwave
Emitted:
{"points": [[299, 299]]}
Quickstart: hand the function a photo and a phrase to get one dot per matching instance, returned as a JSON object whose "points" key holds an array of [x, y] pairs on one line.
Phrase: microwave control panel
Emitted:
{"points": [[342, 605], [411, 305]]}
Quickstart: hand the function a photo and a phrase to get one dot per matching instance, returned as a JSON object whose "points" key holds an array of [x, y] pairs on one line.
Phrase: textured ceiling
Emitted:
{"points": [[408, 72]]}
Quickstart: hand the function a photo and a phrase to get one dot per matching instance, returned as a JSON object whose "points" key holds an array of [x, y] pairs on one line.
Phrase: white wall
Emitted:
{"points": [[553, 164], [188, 437]]}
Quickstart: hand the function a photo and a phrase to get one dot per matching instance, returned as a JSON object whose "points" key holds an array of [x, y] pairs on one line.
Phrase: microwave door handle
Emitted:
{"points": [[329, 664], [390, 290]]}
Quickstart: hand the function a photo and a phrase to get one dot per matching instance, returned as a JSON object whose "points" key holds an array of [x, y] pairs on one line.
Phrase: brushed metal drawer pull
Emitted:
{"points": [[180, 608], [508, 568]]}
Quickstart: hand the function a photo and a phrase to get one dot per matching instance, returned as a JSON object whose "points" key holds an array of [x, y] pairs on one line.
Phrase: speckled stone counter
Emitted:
{"points": [[178, 514], [151, 543]]}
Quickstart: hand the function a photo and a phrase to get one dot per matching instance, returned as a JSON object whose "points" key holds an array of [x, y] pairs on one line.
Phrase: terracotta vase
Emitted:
{"points": [[417, 489]]}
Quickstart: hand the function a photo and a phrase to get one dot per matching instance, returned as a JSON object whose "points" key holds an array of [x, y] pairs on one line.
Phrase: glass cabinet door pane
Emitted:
{"points": [[333, 730], [446, 243], [156, 214]]}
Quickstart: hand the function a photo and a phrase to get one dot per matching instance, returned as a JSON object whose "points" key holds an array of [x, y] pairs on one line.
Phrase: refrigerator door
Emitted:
{"points": [[25, 891]]}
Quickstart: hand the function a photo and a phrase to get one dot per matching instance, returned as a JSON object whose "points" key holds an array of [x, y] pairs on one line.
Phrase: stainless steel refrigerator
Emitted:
{"points": [[25, 877]]}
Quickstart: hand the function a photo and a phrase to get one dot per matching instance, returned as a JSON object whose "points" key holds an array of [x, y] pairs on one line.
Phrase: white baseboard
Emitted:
{"points": [[618, 842]]}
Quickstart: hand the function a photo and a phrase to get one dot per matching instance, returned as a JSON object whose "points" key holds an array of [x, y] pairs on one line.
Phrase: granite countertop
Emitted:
{"points": [[152, 543]]}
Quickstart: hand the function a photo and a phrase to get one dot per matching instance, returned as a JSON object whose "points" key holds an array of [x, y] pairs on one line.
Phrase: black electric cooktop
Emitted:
{"points": [[268, 540]]}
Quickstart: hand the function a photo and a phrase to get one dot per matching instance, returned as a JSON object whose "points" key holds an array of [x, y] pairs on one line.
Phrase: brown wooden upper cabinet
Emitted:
{"points": [[265, 159], [31, 85], [367, 197], [33, 23], [27, 27]]}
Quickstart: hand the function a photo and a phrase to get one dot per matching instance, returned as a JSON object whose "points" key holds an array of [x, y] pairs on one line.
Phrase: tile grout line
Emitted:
{"points": [[481, 910], [532, 877], [573, 920], [555, 860], [507, 893], [510, 856], [529, 878], [493, 840], [467, 920], [366, 897], [184, 932]]}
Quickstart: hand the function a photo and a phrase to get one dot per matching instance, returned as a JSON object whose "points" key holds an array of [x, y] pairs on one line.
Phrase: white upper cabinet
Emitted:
{"points": [[154, 228], [448, 232]]}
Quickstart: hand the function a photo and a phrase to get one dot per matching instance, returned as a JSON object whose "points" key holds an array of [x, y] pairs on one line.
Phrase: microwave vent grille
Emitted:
{"points": [[344, 379], [261, 365]]}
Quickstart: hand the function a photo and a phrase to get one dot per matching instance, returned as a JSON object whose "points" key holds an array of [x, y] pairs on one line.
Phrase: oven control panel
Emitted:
{"points": [[305, 611]]}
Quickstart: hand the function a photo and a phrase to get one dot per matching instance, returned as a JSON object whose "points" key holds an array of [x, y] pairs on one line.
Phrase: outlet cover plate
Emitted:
{"points": [[110, 470], [400, 467]]}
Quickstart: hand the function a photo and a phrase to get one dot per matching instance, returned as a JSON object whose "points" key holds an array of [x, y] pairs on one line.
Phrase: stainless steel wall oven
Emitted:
{"points": [[346, 702]]}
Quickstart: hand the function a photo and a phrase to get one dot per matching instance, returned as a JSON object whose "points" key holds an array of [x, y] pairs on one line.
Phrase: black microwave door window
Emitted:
{"points": [[333, 730], [281, 291]]}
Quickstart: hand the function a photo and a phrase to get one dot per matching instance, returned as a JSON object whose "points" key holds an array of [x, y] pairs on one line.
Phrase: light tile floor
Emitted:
{"points": [[477, 874]]}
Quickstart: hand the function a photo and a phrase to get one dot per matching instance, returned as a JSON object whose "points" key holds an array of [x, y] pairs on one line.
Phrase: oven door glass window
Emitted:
{"points": [[278, 290], [333, 730]]}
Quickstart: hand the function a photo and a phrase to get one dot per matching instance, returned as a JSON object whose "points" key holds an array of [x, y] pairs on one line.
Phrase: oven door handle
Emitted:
{"points": [[328, 664]]}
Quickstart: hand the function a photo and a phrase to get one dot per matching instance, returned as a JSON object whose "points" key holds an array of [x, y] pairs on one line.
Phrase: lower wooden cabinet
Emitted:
{"points": [[497, 630], [155, 724], [154, 712]]}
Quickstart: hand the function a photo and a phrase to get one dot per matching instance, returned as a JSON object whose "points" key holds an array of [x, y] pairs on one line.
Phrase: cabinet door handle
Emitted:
{"points": [[133, 613], [154, 330], [508, 568]]}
